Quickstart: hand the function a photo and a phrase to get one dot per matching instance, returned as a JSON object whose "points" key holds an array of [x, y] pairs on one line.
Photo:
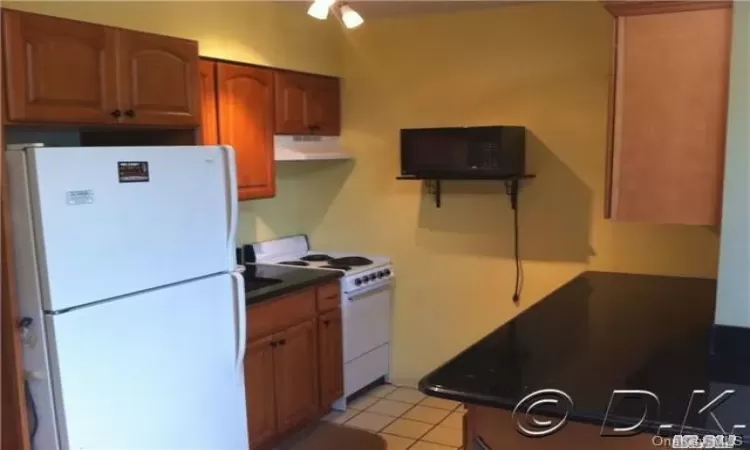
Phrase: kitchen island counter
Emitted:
{"points": [[602, 332]]}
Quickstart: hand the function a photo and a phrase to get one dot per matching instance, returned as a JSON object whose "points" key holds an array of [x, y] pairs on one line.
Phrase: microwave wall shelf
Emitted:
{"points": [[512, 184]]}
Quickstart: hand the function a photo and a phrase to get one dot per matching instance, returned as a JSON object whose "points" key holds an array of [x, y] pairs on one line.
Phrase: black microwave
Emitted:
{"points": [[468, 152]]}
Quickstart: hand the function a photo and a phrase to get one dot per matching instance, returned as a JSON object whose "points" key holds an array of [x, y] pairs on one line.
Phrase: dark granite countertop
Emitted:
{"points": [[265, 281], [605, 331]]}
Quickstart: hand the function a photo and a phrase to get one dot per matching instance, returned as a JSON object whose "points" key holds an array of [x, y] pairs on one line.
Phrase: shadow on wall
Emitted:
{"points": [[476, 217]]}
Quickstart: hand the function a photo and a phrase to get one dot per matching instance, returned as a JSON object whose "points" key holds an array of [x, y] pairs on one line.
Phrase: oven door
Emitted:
{"points": [[367, 320]]}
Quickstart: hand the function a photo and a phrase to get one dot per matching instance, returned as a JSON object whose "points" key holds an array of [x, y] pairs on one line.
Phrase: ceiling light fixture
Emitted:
{"points": [[319, 9], [350, 17]]}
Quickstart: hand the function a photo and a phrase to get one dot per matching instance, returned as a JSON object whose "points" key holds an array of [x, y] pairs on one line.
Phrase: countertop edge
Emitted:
{"points": [[255, 299]]}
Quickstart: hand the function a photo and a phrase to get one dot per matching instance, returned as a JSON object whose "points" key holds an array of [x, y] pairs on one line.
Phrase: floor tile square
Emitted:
{"points": [[454, 420], [407, 395], [422, 445], [340, 417], [369, 421], [407, 428], [396, 442], [440, 403], [445, 436], [362, 403], [389, 408], [424, 414], [382, 390]]}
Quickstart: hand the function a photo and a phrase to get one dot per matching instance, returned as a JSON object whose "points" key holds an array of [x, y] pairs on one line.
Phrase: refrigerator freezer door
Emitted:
{"points": [[110, 221], [156, 370]]}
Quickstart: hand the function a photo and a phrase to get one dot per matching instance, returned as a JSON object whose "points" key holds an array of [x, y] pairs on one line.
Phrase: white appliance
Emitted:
{"points": [[308, 148], [125, 268], [366, 304]]}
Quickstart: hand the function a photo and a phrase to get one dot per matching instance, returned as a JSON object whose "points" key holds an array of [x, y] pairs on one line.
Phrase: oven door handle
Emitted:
{"points": [[358, 294]]}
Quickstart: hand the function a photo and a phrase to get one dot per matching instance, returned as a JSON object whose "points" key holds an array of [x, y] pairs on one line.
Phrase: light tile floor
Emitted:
{"points": [[405, 418]]}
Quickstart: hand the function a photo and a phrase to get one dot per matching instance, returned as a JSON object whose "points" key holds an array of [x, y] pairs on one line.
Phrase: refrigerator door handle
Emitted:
{"points": [[239, 296], [231, 169]]}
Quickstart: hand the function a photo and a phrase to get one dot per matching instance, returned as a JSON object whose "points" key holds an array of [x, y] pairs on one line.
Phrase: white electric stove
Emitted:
{"points": [[366, 302]]}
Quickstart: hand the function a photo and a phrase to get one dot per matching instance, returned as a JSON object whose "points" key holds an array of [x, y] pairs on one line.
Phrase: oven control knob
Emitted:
{"points": [[387, 272], [381, 274], [372, 276], [357, 282]]}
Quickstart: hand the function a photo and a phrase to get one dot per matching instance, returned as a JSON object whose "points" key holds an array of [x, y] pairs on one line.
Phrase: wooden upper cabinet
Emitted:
{"points": [[307, 104], [69, 72], [669, 117], [60, 71], [295, 363], [245, 98], [643, 7], [259, 391], [292, 101], [209, 122], [331, 357], [159, 84]]}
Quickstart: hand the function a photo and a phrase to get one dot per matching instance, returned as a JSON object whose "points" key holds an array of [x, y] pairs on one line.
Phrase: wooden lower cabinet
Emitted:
{"points": [[331, 357], [494, 429], [293, 364], [296, 381], [260, 390]]}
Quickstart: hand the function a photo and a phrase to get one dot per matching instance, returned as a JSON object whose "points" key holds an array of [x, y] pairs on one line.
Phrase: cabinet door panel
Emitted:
{"points": [[59, 70], [295, 365], [259, 391], [246, 123], [670, 117], [159, 80], [331, 357], [209, 123], [325, 106], [292, 103]]}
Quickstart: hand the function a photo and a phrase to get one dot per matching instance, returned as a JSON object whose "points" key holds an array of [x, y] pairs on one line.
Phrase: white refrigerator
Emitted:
{"points": [[135, 314]]}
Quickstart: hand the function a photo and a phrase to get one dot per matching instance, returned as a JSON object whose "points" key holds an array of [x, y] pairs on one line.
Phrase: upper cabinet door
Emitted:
{"points": [[246, 123], [324, 111], [159, 84], [292, 103], [58, 70], [209, 106], [670, 112]]}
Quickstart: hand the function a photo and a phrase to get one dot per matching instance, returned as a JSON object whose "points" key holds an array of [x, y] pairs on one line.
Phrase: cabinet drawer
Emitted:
{"points": [[276, 315], [329, 296]]}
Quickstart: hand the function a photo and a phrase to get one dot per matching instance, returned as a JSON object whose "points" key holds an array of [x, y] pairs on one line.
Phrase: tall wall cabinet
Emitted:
{"points": [[668, 111]]}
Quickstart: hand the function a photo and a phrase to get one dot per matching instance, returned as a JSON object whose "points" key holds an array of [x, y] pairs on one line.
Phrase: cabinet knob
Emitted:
{"points": [[314, 128], [282, 342], [116, 113], [130, 113], [274, 344], [326, 322]]}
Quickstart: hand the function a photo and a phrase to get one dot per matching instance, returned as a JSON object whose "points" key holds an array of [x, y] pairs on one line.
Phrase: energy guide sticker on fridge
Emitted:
{"points": [[132, 171], [82, 197]]}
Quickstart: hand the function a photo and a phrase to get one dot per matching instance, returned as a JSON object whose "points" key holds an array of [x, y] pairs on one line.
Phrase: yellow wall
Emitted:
{"points": [[542, 66]]}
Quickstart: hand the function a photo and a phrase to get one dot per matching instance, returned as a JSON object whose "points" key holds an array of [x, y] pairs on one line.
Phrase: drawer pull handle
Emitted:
{"points": [[326, 322]]}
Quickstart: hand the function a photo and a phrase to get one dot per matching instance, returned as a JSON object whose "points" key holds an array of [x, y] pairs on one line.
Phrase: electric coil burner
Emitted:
{"points": [[316, 258], [350, 261]]}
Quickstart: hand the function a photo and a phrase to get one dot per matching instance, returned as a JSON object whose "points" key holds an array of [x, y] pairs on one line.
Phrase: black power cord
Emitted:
{"points": [[32, 411], [511, 188]]}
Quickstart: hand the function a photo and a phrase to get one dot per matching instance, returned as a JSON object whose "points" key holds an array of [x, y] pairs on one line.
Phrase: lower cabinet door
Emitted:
{"points": [[259, 390], [296, 368], [331, 357]]}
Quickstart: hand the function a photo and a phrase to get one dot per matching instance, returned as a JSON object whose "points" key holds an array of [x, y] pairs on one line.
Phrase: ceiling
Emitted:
{"points": [[374, 9]]}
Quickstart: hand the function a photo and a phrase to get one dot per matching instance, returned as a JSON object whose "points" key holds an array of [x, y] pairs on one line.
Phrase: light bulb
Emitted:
{"points": [[319, 9], [351, 18]]}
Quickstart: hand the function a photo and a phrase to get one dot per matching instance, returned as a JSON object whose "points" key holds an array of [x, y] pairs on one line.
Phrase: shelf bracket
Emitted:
{"points": [[433, 188]]}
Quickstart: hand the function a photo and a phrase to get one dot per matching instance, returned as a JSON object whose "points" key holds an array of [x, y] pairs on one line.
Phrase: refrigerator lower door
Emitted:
{"points": [[156, 370], [136, 217]]}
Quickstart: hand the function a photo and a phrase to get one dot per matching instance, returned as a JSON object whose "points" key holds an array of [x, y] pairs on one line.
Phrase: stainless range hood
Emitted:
{"points": [[308, 148]]}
